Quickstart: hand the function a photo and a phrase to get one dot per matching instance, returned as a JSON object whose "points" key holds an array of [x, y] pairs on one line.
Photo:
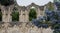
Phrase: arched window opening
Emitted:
{"points": [[0, 15], [15, 15], [32, 14]]}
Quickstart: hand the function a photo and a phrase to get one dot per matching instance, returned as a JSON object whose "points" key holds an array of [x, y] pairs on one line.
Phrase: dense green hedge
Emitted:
{"points": [[32, 14]]}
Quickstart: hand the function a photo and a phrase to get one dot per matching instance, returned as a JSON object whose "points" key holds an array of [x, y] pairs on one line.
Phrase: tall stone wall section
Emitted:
{"points": [[23, 12], [23, 25]]}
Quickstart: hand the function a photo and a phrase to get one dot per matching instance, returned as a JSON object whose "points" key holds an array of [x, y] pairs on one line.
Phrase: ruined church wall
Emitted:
{"points": [[23, 12], [22, 27]]}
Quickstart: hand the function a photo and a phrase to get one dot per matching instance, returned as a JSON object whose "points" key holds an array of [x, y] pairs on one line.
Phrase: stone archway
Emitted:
{"points": [[32, 13], [15, 14]]}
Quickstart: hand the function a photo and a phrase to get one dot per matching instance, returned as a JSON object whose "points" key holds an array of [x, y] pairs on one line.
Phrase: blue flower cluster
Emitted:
{"points": [[52, 18], [40, 22]]}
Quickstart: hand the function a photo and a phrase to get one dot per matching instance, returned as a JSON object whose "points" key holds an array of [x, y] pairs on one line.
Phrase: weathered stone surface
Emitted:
{"points": [[24, 28], [23, 12]]}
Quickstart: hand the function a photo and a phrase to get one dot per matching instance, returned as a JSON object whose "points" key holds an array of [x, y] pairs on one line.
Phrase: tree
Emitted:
{"points": [[6, 2]]}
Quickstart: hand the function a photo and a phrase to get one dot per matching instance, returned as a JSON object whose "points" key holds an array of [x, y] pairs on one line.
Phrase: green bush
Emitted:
{"points": [[32, 14], [15, 16]]}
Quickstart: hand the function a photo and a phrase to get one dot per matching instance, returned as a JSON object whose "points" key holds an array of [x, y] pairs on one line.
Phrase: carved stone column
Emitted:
{"points": [[21, 17], [26, 16], [38, 12], [4, 16], [10, 10], [44, 10], [9, 15]]}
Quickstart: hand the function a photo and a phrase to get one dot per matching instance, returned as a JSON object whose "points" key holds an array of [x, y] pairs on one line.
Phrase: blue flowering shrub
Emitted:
{"points": [[52, 18]]}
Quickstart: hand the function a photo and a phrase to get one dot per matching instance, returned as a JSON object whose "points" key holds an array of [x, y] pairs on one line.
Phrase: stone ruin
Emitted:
{"points": [[23, 25]]}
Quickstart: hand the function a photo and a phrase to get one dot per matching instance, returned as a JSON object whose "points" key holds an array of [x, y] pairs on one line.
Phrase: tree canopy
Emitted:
{"points": [[6, 2]]}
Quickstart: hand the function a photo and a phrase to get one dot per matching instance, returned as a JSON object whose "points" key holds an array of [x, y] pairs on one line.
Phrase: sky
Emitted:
{"points": [[28, 2]]}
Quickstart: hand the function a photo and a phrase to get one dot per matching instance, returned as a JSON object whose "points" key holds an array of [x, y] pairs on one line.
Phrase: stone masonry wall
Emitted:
{"points": [[21, 27]]}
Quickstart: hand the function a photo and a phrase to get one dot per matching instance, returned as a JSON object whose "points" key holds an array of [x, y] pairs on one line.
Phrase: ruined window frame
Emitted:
{"points": [[14, 12]]}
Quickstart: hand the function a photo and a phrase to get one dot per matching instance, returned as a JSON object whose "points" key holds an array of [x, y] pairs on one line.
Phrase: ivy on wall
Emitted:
{"points": [[32, 14]]}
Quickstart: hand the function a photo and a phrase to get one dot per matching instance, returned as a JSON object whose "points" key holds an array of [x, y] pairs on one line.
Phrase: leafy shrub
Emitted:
{"points": [[15, 16], [32, 14], [52, 19]]}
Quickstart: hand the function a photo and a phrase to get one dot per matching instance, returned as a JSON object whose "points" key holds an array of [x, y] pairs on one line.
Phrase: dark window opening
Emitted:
{"points": [[0, 15], [15, 16], [32, 14]]}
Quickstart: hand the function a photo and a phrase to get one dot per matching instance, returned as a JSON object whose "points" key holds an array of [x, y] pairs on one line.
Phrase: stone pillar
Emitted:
{"points": [[45, 7], [4, 16], [10, 9], [38, 12], [21, 17], [9, 15], [19, 14], [26, 16]]}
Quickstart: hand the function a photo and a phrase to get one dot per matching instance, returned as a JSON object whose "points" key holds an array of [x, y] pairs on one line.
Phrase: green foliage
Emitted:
{"points": [[56, 26], [15, 16], [46, 22], [32, 14], [6, 2], [50, 6]]}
